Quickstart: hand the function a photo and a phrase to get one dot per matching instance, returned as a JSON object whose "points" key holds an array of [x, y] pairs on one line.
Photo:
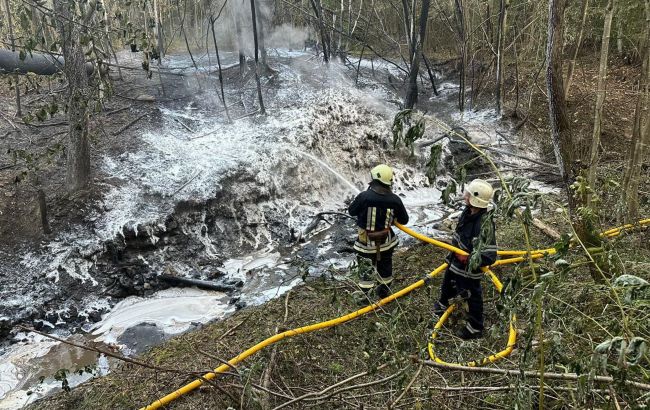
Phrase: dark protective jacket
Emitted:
{"points": [[375, 209], [466, 237]]}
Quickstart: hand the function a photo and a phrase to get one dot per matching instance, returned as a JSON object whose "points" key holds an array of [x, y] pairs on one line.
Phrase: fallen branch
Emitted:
{"points": [[528, 373], [186, 183], [201, 284], [104, 352], [125, 127], [184, 125], [316, 220], [326, 390], [408, 387]]}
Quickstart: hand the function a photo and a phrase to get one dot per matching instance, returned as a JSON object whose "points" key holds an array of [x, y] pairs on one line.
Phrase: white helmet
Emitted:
{"points": [[382, 173], [480, 193]]}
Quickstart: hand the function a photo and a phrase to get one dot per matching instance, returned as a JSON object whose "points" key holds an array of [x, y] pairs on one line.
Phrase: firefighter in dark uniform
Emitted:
{"points": [[375, 210], [459, 279]]}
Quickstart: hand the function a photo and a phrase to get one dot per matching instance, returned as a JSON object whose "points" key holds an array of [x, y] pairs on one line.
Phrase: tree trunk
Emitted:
{"points": [[216, 50], [503, 13], [568, 151], [13, 50], [257, 70], [576, 48], [412, 93], [161, 49], [462, 48], [78, 150], [187, 43], [432, 77], [560, 127], [316, 5], [240, 44], [600, 96], [637, 148], [260, 32]]}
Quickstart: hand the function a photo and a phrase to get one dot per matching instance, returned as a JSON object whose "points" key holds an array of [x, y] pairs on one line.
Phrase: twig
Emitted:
{"points": [[232, 329], [104, 352], [184, 125], [186, 183], [125, 127], [326, 390], [408, 387], [528, 373], [117, 110]]}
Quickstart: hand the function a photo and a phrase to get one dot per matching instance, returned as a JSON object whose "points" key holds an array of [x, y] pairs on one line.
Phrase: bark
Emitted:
{"points": [[558, 119], [37, 63], [316, 5], [503, 13], [187, 43], [13, 49], [432, 77], [576, 48], [462, 48], [78, 150], [240, 45], [42, 205], [216, 50], [159, 35], [257, 70], [260, 33], [600, 95], [637, 148], [412, 93]]}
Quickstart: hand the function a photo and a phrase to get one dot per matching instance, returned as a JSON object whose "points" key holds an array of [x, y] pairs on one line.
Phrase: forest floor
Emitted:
{"points": [[374, 361], [378, 353]]}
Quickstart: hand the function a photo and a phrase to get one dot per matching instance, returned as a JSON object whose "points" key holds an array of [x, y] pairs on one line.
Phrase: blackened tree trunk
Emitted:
{"points": [[318, 9], [412, 93], [13, 50], [216, 50], [560, 127], [78, 150], [261, 36], [257, 69], [240, 45], [501, 34], [459, 13]]}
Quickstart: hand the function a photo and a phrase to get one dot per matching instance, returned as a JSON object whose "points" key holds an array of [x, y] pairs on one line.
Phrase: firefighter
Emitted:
{"points": [[460, 279], [375, 210]]}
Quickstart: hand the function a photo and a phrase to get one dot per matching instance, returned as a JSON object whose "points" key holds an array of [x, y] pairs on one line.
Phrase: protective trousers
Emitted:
{"points": [[384, 270], [469, 289]]}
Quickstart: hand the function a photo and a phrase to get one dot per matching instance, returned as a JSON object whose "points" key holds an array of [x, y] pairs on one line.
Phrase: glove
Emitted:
{"points": [[461, 258]]}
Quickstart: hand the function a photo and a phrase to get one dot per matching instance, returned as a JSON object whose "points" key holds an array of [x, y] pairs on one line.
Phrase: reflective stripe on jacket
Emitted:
{"points": [[466, 236], [375, 210]]}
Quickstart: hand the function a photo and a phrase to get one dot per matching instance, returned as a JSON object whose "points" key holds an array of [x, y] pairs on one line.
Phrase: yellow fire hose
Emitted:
{"points": [[520, 257]]}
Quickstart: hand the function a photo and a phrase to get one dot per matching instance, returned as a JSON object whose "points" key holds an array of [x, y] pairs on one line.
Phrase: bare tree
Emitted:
{"points": [[558, 119], [257, 69], [412, 90], [600, 95], [13, 49], [640, 133], [503, 13], [78, 150], [576, 48], [318, 9]]}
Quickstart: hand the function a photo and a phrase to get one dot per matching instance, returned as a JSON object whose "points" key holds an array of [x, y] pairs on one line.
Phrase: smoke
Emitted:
{"points": [[287, 36], [236, 18]]}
